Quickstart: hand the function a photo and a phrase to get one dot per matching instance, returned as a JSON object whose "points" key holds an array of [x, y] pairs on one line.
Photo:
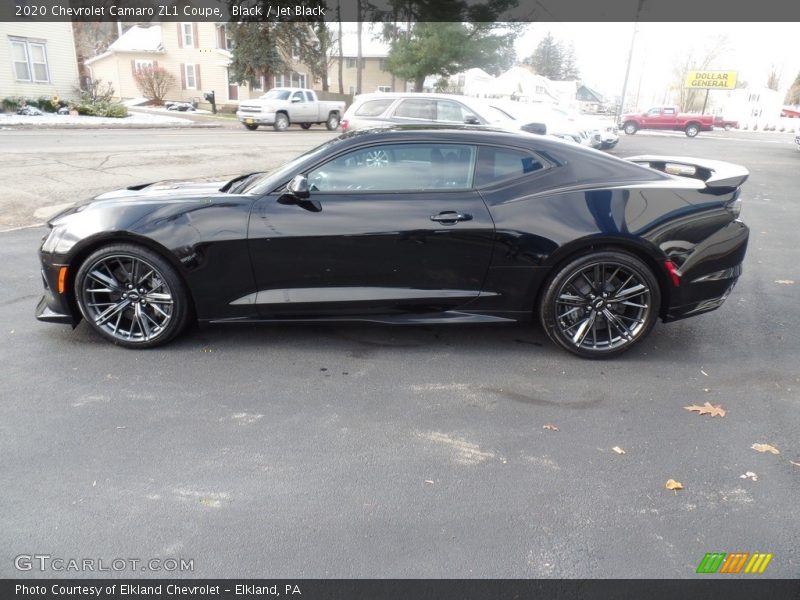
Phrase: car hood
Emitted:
{"points": [[157, 191]]}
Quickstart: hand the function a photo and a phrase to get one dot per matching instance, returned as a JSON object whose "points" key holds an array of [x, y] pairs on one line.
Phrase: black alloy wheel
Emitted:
{"points": [[600, 304], [131, 296]]}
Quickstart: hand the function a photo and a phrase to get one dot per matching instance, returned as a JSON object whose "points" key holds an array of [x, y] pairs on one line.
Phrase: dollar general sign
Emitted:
{"points": [[711, 80]]}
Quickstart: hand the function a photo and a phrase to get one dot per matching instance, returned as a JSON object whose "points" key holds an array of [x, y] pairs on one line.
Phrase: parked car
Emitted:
{"points": [[372, 110], [667, 117], [726, 124], [557, 122], [797, 139], [457, 225], [603, 133], [282, 107]]}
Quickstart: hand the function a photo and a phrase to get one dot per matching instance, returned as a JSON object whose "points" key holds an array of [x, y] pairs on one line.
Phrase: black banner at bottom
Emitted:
{"points": [[402, 589]]}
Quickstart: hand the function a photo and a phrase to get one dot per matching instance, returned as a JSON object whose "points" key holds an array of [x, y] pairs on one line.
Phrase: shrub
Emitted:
{"points": [[102, 109], [94, 90], [11, 104], [154, 83]]}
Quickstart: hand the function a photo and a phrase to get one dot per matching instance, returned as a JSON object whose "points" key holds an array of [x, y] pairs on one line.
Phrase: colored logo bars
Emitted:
{"points": [[720, 562]]}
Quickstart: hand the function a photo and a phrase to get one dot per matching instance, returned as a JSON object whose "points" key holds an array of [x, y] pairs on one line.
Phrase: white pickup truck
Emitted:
{"points": [[281, 107]]}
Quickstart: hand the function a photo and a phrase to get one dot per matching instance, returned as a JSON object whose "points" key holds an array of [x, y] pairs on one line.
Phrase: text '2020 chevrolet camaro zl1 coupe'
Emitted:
{"points": [[409, 225]]}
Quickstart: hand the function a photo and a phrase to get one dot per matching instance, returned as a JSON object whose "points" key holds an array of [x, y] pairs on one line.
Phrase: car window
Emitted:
{"points": [[298, 95], [499, 164], [397, 168], [309, 96], [654, 112], [373, 108], [447, 110], [669, 111], [416, 109]]}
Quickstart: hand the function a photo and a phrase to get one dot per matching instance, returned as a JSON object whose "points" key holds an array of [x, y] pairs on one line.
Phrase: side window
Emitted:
{"points": [[669, 111], [500, 164], [653, 112], [416, 109], [373, 108], [298, 96], [309, 96], [449, 111], [397, 168]]}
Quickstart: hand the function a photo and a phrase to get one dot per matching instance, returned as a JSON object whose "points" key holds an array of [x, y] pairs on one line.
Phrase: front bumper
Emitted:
{"points": [[709, 273], [54, 307], [256, 118]]}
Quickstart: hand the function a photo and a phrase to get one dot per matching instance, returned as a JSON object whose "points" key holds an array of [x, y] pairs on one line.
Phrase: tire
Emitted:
{"points": [[575, 315], [251, 126], [692, 129], [281, 122], [630, 128], [305, 125], [728, 127], [333, 122], [128, 312]]}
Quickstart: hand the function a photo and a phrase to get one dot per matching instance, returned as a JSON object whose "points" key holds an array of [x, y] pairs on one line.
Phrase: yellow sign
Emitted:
{"points": [[714, 80]]}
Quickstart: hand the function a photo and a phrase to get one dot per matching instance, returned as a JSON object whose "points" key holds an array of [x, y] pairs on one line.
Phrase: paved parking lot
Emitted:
{"points": [[361, 451]]}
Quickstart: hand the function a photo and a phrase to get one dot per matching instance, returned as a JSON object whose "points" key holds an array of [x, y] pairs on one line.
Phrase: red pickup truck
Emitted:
{"points": [[667, 117]]}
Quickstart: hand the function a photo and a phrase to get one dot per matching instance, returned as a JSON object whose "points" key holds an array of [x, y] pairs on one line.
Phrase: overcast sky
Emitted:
{"points": [[602, 51]]}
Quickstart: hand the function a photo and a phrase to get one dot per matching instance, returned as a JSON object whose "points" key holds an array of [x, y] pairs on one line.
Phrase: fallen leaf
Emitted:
{"points": [[749, 475], [550, 427], [703, 372], [784, 281], [795, 463], [707, 409], [674, 485], [765, 448], [618, 450], [430, 481], [706, 390]]}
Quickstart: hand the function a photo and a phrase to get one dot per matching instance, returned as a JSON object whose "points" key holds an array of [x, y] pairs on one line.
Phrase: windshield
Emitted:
{"points": [[269, 181], [276, 95]]}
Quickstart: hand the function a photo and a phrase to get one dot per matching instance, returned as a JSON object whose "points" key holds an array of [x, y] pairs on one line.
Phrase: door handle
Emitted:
{"points": [[450, 217]]}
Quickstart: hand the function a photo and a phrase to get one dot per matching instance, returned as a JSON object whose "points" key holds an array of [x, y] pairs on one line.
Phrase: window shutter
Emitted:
{"points": [[197, 83], [133, 67], [183, 76], [195, 38], [180, 35]]}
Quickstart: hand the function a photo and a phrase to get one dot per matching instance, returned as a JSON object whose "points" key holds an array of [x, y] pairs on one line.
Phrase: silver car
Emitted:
{"points": [[371, 110]]}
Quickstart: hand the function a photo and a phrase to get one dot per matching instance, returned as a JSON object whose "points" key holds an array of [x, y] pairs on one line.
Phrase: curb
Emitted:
{"points": [[53, 126]]}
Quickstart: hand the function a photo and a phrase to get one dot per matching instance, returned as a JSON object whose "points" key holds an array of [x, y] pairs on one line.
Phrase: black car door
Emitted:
{"points": [[387, 228]]}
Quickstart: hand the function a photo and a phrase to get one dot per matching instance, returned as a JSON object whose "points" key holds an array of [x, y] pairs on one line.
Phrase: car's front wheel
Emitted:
{"points": [[131, 296], [281, 122], [600, 304], [630, 128]]}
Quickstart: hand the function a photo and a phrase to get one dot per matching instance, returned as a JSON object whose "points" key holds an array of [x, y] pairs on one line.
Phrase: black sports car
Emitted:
{"points": [[409, 225]]}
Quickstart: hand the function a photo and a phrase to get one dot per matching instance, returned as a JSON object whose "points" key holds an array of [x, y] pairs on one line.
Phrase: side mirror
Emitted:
{"points": [[471, 120], [537, 128], [295, 100], [298, 187]]}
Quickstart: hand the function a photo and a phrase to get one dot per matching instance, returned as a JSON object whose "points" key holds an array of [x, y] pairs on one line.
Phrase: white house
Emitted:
{"points": [[39, 60]]}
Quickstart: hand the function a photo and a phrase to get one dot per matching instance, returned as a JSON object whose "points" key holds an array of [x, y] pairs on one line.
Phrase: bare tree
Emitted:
{"points": [[773, 78], [696, 59], [154, 83]]}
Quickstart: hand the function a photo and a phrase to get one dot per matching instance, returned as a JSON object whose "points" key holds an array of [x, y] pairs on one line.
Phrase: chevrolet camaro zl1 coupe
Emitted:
{"points": [[409, 225]]}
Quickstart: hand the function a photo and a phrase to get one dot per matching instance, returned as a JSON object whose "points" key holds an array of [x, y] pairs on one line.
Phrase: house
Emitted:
{"points": [[590, 100], [198, 56], [374, 76], [752, 105], [38, 60]]}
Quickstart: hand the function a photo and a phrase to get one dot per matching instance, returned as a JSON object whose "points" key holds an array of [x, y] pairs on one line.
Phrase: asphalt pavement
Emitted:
{"points": [[375, 451]]}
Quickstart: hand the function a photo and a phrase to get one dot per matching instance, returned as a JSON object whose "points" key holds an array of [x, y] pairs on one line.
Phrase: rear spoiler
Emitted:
{"points": [[715, 173]]}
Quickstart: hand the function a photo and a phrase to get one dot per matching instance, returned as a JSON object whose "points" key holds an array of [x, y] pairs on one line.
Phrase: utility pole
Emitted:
{"points": [[621, 107]]}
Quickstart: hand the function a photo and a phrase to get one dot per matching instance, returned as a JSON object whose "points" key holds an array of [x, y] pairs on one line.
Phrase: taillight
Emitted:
{"points": [[344, 123]]}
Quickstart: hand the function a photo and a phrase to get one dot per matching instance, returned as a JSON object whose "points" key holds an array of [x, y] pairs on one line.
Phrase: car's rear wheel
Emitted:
{"points": [[728, 127], [281, 122], [630, 128], [600, 304], [305, 125], [131, 296], [251, 126], [692, 129], [333, 122]]}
